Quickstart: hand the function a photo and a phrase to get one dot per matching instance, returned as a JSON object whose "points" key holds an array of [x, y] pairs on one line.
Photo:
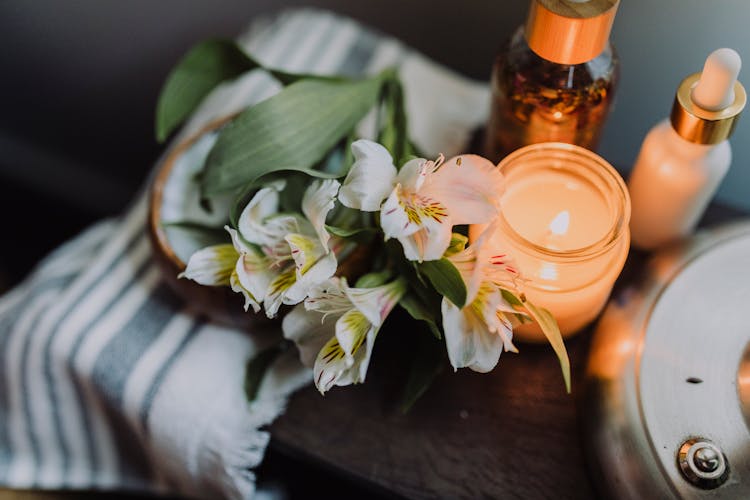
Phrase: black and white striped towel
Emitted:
{"points": [[107, 381]]}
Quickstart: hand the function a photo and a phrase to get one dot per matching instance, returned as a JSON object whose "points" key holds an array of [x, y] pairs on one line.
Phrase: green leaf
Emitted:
{"points": [[446, 279], [297, 182], [290, 198], [357, 234], [549, 327], [395, 135], [199, 71], [256, 368], [521, 314], [209, 233], [511, 298], [293, 130], [345, 217], [457, 245], [193, 226], [239, 204], [286, 78], [409, 271], [429, 361], [417, 309], [522, 318], [202, 69], [371, 280]]}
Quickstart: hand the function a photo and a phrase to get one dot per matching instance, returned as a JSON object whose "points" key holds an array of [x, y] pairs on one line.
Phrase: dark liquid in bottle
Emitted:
{"points": [[536, 100]]}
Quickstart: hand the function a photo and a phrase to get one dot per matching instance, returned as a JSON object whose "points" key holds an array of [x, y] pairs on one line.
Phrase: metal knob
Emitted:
{"points": [[702, 463]]}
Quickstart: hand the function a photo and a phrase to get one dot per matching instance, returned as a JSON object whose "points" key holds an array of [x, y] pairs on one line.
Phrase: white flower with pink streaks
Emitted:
{"points": [[420, 204], [336, 327]]}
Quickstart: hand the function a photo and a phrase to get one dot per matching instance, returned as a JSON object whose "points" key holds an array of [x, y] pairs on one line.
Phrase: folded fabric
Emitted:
{"points": [[108, 380]]}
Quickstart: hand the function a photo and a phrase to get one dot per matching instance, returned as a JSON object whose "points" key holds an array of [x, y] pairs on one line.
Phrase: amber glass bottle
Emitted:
{"points": [[555, 78]]}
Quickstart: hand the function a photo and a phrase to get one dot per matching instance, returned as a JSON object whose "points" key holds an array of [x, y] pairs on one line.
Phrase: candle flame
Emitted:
{"points": [[548, 271], [560, 223]]}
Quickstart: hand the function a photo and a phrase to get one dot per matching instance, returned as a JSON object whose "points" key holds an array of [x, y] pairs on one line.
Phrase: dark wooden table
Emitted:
{"points": [[512, 433]]}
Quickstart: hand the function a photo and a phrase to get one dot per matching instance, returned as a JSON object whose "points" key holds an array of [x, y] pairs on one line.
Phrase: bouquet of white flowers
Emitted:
{"points": [[311, 196]]}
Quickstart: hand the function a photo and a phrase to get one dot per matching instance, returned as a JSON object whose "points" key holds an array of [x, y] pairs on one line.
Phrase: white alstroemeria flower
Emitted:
{"points": [[296, 248], [251, 274], [226, 265], [274, 258], [476, 334], [212, 266], [370, 179], [335, 329], [425, 199], [241, 265]]}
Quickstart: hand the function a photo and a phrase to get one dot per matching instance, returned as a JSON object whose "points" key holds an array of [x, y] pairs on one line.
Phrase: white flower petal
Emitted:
{"points": [[305, 251], [454, 325], [494, 264], [278, 226], [328, 297], [264, 204], [239, 243], [212, 266], [488, 301], [331, 366], [437, 238], [483, 261], [351, 332], [466, 263], [468, 342], [420, 222], [277, 289], [394, 219], [319, 272], [406, 212], [412, 175], [358, 371], [370, 178], [376, 303], [506, 332], [429, 243], [317, 201], [237, 287], [470, 190], [253, 273], [309, 330], [491, 306]]}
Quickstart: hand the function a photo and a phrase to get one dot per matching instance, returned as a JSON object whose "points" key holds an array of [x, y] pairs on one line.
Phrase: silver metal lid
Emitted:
{"points": [[667, 399]]}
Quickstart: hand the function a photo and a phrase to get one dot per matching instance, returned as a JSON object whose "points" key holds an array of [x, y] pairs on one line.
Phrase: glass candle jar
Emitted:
{"points": [[564, 220]]}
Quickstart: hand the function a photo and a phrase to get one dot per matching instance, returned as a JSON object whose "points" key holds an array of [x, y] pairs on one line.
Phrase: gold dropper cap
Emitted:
{"points": [[702, 126], [570, 31]]}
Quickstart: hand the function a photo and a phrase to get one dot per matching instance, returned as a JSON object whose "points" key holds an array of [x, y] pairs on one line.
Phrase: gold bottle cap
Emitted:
{"points": [[699, 125], [570, 31]]}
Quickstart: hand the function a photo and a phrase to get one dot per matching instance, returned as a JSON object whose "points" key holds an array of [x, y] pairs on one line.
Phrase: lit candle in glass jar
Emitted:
{"points": [[564, 219]]}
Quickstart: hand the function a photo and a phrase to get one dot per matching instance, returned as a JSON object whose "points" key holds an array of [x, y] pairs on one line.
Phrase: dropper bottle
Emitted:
{"points": [[684, 158]]}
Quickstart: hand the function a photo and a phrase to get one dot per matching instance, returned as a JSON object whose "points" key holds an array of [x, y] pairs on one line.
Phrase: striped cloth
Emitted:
{"points": [[108, 381]]}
